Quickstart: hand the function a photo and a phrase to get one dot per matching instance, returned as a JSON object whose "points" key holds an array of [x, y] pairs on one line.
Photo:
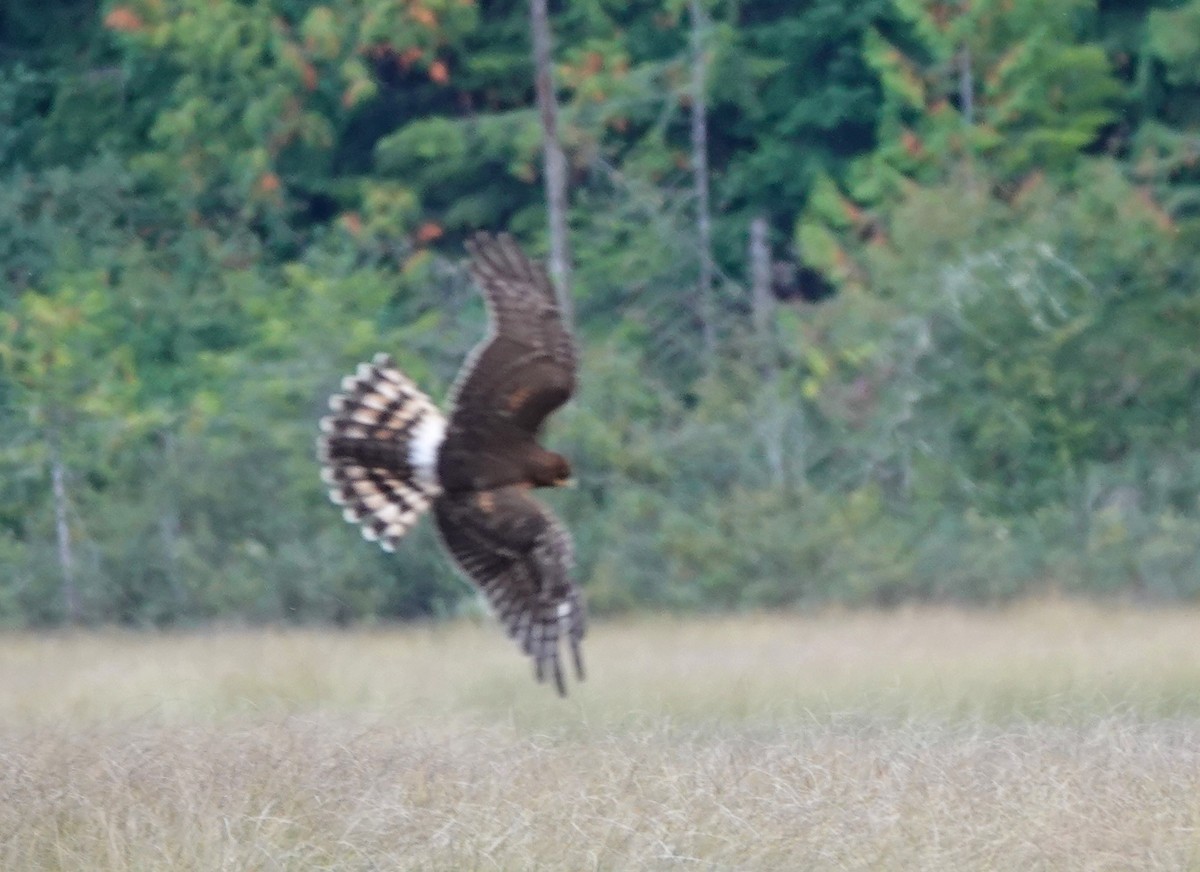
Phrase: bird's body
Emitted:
{"points": [[388, 454]]}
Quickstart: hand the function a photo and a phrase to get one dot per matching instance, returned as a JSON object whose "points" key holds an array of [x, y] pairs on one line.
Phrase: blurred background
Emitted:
{"points": [[881, 301]]}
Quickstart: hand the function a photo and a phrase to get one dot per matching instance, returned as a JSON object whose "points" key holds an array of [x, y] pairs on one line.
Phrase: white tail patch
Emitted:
{"points": [[378, 451], [427, 437]]}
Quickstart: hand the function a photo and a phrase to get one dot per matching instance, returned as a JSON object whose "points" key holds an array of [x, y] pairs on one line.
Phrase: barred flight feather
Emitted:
{"points": [[528, 589]]}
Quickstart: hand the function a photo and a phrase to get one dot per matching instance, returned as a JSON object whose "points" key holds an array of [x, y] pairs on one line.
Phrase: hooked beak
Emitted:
{"points": [[569, 481]]}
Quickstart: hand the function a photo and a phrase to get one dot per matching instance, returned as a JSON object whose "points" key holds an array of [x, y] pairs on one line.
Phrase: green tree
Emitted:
{"points": [[987, 93], [75, 392], [1162, 55], [272, 106], [1015, 86]]}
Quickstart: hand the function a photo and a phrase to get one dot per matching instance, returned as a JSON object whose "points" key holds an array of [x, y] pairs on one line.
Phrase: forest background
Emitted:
{"points": [[960, 360]]}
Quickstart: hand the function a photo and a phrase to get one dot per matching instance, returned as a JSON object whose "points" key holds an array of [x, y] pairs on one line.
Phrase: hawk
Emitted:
{"points": [[388, 454]]}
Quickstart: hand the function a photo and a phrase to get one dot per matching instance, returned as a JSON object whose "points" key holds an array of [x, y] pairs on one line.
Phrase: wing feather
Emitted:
{"points": [[525, 367], [520, 557]]}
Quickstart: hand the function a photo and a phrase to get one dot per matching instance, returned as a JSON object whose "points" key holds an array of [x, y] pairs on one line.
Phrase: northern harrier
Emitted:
{"points": [[388, 454]]}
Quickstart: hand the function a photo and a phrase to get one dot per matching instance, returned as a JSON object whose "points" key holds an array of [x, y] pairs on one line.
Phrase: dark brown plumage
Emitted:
{"points": [[388, 454]]}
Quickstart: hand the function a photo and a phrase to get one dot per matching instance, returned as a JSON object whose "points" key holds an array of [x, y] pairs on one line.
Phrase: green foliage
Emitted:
{"points": [[1173, 36], [446, 162], [210, 211], [1020, 89], [1169, 91]]}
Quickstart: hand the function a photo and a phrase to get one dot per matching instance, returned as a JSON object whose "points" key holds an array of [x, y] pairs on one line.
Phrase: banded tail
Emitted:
{"points": [[379, 450]]}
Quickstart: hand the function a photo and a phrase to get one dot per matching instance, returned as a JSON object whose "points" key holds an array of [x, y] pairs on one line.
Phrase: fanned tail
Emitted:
{"points": [[379, 449]]}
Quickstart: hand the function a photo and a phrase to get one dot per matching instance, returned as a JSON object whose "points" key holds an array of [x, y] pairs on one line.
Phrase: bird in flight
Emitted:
{"points": [[388, 454]]}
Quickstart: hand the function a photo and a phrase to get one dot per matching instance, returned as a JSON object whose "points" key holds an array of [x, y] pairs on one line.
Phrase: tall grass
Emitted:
{"points": [[1048, 736]]}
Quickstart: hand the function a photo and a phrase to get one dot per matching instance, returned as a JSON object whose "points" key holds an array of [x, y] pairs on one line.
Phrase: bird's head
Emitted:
{"points": [[552, 470]]}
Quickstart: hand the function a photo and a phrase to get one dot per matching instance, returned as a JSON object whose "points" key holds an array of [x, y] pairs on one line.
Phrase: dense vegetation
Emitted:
{"points": [[977, 371]]}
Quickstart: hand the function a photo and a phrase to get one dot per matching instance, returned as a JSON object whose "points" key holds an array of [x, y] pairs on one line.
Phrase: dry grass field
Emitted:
{"points": [[1046, 736]]}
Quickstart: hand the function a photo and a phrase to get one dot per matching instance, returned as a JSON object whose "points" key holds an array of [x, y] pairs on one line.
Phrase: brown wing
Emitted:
{"points": [[520, 556], [525, 368]]}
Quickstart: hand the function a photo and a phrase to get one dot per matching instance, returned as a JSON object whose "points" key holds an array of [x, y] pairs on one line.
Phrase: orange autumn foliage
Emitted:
{"points": [[123, 20], [422, 15], [429, 231]]}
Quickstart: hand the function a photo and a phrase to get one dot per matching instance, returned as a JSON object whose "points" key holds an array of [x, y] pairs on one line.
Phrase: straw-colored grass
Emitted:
{"points": [[1046, 736]]}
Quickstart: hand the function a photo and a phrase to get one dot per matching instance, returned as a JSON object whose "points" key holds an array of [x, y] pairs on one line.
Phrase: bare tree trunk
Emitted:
{"points": [[169, 528], [700, 176], [552, 154], [761, 301], [966, 85], [771, 422], [966, 100], [62, 530]]}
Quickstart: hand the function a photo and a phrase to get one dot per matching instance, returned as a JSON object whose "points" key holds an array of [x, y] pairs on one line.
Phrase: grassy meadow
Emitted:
{"points": [[1049, 735]]}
